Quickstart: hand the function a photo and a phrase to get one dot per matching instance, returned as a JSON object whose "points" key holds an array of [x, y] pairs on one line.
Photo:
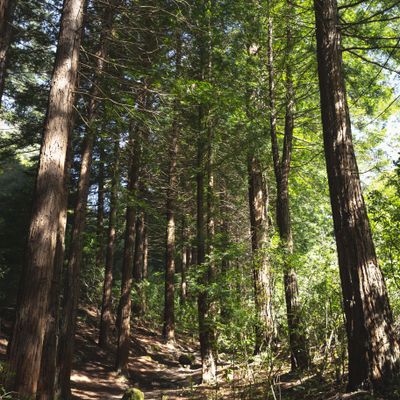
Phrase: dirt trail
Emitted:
{"points": [[153, 366]]}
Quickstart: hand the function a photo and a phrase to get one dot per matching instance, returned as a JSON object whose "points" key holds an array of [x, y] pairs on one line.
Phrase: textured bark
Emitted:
{"points": [[373, 349], [6, 13], [263, 288], [297, 339], [124, 306], [106, 319], [48, 209], [145, 272], [185, 260], [72, 283], [48, 369]]}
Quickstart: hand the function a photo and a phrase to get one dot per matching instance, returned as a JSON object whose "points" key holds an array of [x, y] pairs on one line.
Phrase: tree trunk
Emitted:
{"points": [[169, 304], [100, 209], [48, 369], [145, 270], [106, 319], [124, 307], [6, 14], [373, 349], [297, 339], [48, 209], [185, 260], [258, 202], [138, 305], [72, 284]]}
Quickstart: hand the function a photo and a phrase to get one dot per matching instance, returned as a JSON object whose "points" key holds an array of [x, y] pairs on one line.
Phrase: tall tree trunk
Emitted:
{"points": [[169, 304], [258, 202], [48, 369], [124, 306], [297, 339], [106, 319], [6, 14], [145, 267], [72, 285], [373, 348], [48, 209], [100, 209]]}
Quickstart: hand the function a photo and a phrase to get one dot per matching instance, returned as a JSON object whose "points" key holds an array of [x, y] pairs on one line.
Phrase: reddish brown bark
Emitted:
{"points": [[373, 348], [48, 209], [6, 13]]}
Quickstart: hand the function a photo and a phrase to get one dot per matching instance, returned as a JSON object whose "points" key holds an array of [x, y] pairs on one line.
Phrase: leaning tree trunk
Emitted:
{"points": [[71, 286], [6, 13], [262, 280], [124, 306], [48, 208], [373, 348], [139, 305], [106, 319]]}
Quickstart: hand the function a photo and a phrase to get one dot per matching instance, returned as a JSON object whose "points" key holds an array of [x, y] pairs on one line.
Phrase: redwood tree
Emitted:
{"points": [[373, 349], [48, 209]]}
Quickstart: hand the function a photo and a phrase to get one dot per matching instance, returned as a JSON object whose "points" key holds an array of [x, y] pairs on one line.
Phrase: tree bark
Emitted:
{"points": [[124, 307], [100, 259], [373, 349], [7, 8], [106, 319], [258, 203], [72, 284], [48, 209], [185, 260], [169, 304], [48, 369], [297, 338]]}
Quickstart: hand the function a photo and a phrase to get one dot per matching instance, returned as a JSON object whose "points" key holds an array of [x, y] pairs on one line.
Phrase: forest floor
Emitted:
{"points": [[154, 369]]}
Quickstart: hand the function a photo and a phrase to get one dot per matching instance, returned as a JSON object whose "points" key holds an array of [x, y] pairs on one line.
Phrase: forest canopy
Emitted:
{"points": [[204, 183]]}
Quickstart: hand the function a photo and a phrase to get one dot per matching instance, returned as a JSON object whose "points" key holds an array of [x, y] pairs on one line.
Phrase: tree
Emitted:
{"points": [[282, 164], [373, 349], [48, 208], [6, 13]]}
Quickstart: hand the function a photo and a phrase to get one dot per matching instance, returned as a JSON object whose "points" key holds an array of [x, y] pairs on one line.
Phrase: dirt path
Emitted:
{"points": [[153, 366]]}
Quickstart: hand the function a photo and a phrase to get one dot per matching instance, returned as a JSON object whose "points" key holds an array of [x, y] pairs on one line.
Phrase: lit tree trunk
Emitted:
{"points": [[48, 369], [6, 13], [185, 260], [72, 286], [145, 272], [106, 319], [373, 349], [258, 202], [124, 306], [48, 209]]}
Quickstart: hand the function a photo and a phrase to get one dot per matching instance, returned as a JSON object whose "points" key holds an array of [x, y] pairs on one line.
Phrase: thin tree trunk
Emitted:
{"points": [[297, 339], [185, 260], [138, 307], [124, 307], [72, 284], [373, 349], [258, 203], [100, 259], [145, 270], [106, 319], [7, 8], [48, 209], [169, 304]]}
